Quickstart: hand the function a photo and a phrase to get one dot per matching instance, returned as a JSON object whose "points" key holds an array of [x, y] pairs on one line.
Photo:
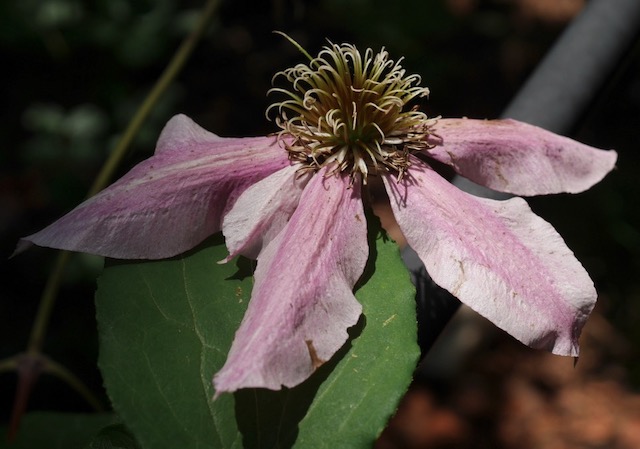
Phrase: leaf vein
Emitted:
{"points": [[203, 345]]}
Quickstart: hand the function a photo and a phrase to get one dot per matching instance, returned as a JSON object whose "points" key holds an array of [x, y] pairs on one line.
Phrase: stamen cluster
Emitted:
{"points": [[348, 109]]}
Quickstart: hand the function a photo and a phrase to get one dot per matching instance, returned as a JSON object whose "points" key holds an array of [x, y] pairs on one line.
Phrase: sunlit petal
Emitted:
{"points": [[302, 301], [514, 157], [262, 211], [170, 202], [497, 257]]}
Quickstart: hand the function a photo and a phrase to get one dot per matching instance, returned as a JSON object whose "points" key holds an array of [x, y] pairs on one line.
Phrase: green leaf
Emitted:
{"points": [[364, 389], [56, 430], [165, 329], [115, 436]]}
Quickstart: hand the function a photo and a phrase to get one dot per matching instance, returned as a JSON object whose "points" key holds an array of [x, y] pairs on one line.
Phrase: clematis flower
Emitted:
{"points": [[296, 203]]}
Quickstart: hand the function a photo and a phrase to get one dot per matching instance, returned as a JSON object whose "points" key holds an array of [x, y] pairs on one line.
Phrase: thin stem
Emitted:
{"points": [[9, 364], [74, 382], [46, 303], [29, 368], [172, 70], [49, 295], [295, 44], [177, 62]]}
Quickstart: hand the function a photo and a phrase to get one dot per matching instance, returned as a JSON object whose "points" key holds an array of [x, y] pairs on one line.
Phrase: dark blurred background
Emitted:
{"points": [[74, 72]]}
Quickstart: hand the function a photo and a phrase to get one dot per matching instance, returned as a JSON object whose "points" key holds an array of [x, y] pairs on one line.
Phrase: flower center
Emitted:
{"points": [[349, 110]]}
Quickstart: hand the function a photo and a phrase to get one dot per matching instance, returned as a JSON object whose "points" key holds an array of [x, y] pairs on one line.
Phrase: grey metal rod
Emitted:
{"points": [[556, 95], [566, 81]]}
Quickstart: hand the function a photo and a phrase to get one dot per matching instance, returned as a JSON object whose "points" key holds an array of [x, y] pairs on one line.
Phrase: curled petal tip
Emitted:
{"points": [[181, 131], [23, 245]]}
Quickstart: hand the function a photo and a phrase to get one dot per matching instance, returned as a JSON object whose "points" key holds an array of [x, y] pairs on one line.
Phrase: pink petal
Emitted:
{"points": [[514, 157], [170, 202], [302, 301], [497, 257], [262, 211]]}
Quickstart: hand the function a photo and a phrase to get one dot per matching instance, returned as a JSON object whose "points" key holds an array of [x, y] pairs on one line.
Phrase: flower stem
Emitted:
{"points": [[74, 382], [50, 292], [9, 364], [103, 178], [47, 301], [169, 74]]}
